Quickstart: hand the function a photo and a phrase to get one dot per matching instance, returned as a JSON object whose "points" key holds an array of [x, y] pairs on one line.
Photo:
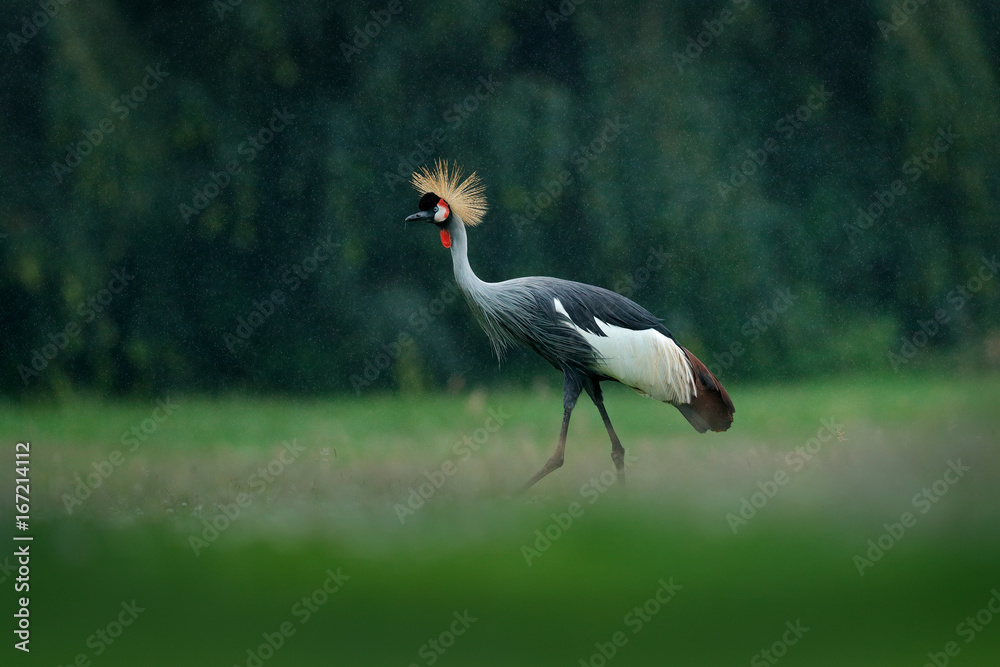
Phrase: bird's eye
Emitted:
{"points": [[435, 209]]}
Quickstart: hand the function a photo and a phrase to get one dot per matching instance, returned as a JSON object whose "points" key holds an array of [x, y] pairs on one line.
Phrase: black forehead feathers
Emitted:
{"points": [[428, 201]]}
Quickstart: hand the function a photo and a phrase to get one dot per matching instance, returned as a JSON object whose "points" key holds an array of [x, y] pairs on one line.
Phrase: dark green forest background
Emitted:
{"points": [[165, 167]]}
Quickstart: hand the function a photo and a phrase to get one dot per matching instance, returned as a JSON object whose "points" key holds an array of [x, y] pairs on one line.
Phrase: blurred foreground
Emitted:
{"points": [[386, 531]]}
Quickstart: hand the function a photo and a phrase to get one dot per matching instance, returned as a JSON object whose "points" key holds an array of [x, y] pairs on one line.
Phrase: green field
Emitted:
{"points": [[833, 465]]}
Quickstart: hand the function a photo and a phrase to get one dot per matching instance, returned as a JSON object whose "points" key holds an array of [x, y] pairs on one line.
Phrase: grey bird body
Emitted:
{"points": [[526, 311], [522, 310]]}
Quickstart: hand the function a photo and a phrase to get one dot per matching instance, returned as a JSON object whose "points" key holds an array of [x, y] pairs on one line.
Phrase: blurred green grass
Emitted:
{"points": [[762, 411], [335, 507]]}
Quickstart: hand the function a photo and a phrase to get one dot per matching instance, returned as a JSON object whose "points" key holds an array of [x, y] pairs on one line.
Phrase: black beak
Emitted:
{"points": [[426, 216]]}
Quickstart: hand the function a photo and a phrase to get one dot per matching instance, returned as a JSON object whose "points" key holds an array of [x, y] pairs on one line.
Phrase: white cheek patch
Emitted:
{"points": [[442, 213]]}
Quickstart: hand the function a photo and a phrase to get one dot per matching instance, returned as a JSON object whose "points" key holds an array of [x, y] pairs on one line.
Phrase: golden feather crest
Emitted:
{"points": [[466, 198]]}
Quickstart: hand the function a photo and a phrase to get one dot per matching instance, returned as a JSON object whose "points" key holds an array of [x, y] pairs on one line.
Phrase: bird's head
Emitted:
{"points": [[434, 209], [446, 200]]}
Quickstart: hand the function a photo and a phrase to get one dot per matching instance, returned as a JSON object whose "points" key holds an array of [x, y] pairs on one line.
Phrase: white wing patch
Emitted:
{"points": [[646, 360]]}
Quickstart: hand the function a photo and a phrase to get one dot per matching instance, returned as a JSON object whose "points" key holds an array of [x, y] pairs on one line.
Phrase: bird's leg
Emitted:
{"points": [[617, 451], [571, 391], [557, 459]]}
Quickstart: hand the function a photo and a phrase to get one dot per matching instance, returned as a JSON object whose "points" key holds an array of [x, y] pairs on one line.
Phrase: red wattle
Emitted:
{"points": [[445, 238]]}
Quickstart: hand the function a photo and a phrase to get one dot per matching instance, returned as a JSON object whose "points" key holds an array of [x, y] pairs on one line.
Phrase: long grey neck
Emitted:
{"points": [[467, 279], [495, 305]]}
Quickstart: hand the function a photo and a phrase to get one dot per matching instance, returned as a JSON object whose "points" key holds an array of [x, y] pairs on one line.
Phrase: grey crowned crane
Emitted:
{"points": [[590, 334]]}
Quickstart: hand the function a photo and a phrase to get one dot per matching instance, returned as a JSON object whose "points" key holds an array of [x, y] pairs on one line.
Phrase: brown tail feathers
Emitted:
{"points": [[711, 408]]}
